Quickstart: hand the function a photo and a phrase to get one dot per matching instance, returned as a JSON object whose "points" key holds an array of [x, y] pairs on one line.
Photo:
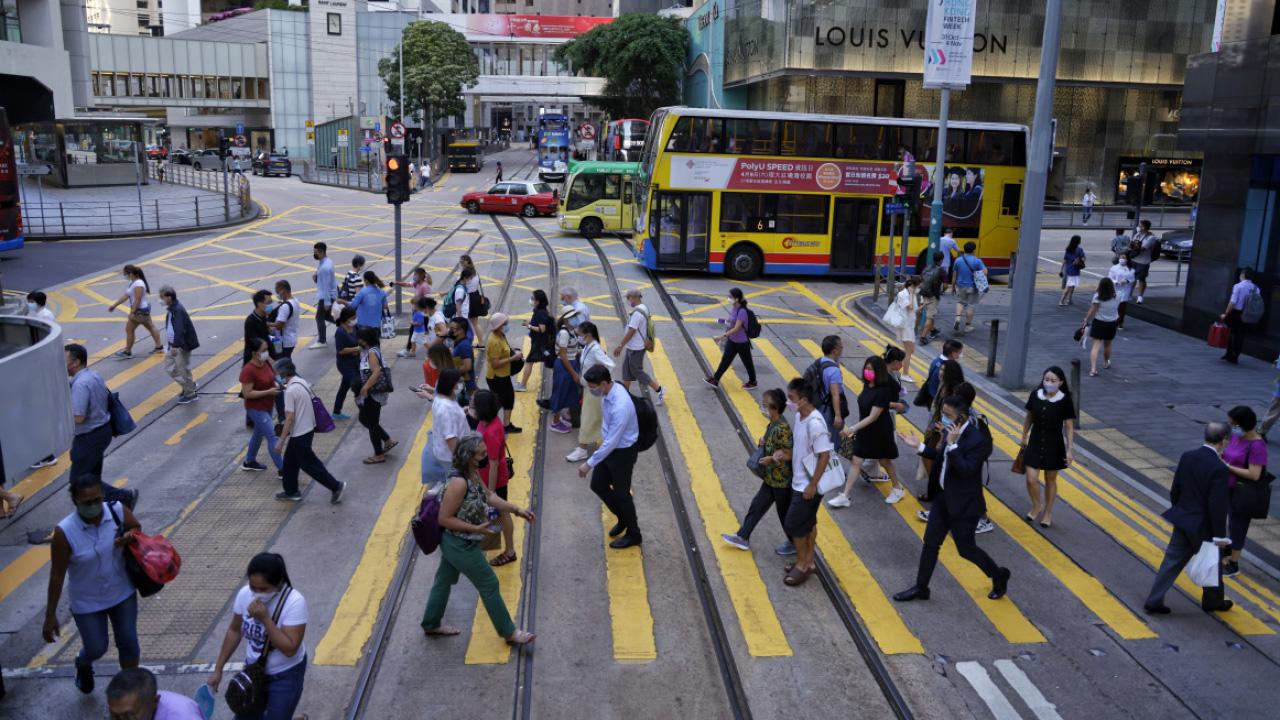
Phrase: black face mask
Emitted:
{"points": [[482, 464]]}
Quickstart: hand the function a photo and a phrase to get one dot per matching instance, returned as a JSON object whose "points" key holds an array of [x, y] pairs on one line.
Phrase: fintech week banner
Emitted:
{"points": [[948, 43], [523, 26]]}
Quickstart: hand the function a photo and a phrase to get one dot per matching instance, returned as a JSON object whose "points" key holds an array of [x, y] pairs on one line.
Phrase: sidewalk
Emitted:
{"points": [[50, 211], [1143, 413]]}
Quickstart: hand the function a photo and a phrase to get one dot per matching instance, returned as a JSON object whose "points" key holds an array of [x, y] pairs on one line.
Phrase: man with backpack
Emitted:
{"points": [[935, 278], [971, 281], [1244, 310], [638, 340], [827, 385], [1145, 248], [612, 463]]}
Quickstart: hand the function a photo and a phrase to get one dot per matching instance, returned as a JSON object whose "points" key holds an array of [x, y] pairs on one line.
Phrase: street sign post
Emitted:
{"points": [[239, 128], [893, 208], [397, 130]]}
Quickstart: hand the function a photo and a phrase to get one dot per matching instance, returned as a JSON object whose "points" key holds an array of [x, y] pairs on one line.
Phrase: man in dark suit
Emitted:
{"points": [[961, 504], [1199, 514]]}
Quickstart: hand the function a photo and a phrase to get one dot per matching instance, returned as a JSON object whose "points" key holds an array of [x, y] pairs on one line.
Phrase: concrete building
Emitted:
{"points": [[44, 68], [125, 17]]}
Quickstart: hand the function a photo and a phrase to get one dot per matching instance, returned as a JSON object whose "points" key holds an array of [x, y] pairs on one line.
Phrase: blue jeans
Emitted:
{"points": [[262, 430], [433, 471], [93, 632], [284, 691]]}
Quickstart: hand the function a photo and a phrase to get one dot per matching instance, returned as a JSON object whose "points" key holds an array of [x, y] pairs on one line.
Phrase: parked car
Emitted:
{"points": [[206, 160], [526, 198], [180, 156], [272, 164], [157, 152], [1177, 244]]}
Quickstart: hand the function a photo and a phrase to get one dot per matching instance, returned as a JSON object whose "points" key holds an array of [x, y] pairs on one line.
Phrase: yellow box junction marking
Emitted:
{"points": [[177, 437]]}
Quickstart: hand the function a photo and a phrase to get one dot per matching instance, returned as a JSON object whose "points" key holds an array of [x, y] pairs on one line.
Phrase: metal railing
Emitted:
{"points": [[1162, 217], [365, 178]]}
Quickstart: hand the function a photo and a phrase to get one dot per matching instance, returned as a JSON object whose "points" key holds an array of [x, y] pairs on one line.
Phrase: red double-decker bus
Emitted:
{"points": [[623, 140], [10, 209]]}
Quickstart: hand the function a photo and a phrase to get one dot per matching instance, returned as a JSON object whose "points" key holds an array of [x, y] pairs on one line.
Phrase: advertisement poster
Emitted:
{"points": [[727, 173], [524, 26], [1170, 181], [962, 191], [948, 43]]}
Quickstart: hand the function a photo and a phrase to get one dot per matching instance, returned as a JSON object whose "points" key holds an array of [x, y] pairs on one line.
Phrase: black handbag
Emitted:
{"points": [[1252, 498], [516, 365], [247, 692], [753, 462], [923, 397], [145, 586], [384, 378]]}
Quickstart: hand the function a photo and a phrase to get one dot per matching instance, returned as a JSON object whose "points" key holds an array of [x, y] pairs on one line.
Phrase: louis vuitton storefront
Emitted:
{"points": [[1120, 70]]}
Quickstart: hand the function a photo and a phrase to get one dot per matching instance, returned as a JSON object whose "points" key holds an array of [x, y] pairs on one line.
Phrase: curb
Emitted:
{"points": [[1263, 559], [255, 212]]}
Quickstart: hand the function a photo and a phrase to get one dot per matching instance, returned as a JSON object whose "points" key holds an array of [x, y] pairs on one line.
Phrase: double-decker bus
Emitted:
{"points": [[553, 147], [745, 193], [11, 236], [624, 140], [598, 196]]}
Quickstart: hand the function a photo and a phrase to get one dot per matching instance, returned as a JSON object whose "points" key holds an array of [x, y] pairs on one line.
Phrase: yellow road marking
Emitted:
{"points": [[177, 437], [67, 306], [629, 610], [1239, 619], [869, 600], [486, 647], [757, 617]]}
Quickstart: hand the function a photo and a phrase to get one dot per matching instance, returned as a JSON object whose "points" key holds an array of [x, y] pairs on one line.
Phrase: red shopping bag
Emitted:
{"points": [[156, 558], [1218, 335]]}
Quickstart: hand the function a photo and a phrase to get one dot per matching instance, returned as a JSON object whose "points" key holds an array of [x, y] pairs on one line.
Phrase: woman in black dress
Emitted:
{"points": [[873, 437], [1047, 435], [542, 336]]}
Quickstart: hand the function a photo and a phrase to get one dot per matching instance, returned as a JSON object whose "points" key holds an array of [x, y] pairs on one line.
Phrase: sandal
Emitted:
{"points": [[520, 637], [374, 460], [442, 631], [388, 445], [1093, 373], [13, 508], [796, 577], [503, 559]]}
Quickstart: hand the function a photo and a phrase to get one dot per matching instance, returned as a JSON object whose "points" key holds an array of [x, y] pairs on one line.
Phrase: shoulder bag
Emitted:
{"points": [[1252, 498], [145, 586], [384, 378], [979, 277], [832, 475], [247, 691], [517, 364]]}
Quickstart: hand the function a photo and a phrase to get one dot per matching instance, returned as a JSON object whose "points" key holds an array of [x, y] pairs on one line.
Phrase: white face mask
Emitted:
{"points": [[264, 355], [265, 598], [1050, 388], [33, 308]]}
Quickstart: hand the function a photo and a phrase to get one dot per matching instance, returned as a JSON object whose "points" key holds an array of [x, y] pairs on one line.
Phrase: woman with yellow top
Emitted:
{"points": [[501, 362]]}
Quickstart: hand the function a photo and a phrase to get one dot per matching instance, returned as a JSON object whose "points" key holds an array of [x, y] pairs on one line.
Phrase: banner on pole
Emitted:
{"points": [[948, 43]]}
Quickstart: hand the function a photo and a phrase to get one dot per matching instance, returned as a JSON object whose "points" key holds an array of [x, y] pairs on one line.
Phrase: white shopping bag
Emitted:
{"points": [[1203, 568]]}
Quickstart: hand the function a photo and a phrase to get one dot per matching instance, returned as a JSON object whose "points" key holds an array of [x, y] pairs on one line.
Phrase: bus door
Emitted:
{"points": [[680, 229], [627, 212], [853, 234]]}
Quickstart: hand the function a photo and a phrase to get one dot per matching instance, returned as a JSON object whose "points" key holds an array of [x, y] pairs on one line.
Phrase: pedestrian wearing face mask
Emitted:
{"points": [[565, 393], [268, 609], [1122, 275], [592, 354], [612, 464], [87, 552], [775, 488], [542, 339], [1048, 431], [872, 435], [497, 368], [347, 348], [259, 388], [1246, 459], [735, 342], [180, 341]]}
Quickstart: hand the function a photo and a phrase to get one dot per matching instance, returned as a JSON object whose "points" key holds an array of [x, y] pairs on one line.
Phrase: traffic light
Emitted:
{"points": [[224, 146], [397, 183]]}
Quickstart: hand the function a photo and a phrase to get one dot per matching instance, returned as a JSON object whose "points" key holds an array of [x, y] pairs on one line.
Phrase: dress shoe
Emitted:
{"points": [[625, 541], [999, 584], [1225, 606], [616, 530], [1157, 609], [914, 593]]}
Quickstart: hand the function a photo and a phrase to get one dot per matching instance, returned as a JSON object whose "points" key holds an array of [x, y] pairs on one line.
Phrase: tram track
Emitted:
{"points": [[843, 607]]}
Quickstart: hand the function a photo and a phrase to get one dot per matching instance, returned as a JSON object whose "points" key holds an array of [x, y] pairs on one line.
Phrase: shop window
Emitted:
{"points": [[224, 88], [135, 86], [237, 88]]}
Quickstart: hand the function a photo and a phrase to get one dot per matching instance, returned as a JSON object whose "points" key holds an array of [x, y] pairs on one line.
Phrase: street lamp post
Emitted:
{"points": [[1024, 280]]}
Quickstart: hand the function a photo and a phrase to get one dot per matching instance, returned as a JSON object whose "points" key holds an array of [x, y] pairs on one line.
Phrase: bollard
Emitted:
{"points": [[1075, 390], [991, 351], [875, 287]]}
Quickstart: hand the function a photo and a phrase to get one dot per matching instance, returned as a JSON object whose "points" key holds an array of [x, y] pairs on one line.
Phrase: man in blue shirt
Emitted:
{"points": [[612, 463], [326, 293], [89, 408], [968, 295], [463, 356], [951, 350]]}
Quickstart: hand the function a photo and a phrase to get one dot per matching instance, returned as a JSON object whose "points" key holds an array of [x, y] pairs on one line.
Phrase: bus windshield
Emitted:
{"points": [[464, 150], [587, 189], [10, 209]]}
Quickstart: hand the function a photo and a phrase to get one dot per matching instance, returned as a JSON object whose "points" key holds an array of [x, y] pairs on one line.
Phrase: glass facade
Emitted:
{"points": [[203, 87], [519, 59], [85, 153], [10, 28], [291, 82]]}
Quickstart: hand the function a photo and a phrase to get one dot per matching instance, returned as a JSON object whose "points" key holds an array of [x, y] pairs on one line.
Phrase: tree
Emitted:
{"points": [[641, 58], [438, 66]]}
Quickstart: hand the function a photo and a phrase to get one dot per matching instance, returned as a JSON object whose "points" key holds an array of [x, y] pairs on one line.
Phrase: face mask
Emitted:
{"points": [[575, 322], [532, 303], [764, 409], [482, 464], [869, 375], [264, 355], [32, 308], [1050, 388], [264, 598], [92, 511], [280, 379], [1124, 261], [947, 422], [597, 391], [1237, 431], [270, 307], [315, 256]]}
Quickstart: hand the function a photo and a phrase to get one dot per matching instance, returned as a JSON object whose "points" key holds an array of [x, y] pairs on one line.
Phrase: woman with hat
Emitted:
{"points": [[502, 361], [565, 391]]}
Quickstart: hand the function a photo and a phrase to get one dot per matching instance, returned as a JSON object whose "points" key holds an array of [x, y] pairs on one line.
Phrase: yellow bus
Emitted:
{"points": [[465, 155], [744, 193], [598, 196]]}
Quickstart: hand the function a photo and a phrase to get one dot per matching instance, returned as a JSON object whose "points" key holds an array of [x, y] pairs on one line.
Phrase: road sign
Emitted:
{"points": [[311, 124], [588, 131], [377, 126], [239, 128], [343, 139], [397, 130], [365, 148], [35, 169], [311, 138], [894, 208], [241, 141]]}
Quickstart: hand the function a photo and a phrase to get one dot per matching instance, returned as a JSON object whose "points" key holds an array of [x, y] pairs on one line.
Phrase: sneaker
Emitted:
{"points": [[188, 399], [252, 466], [935, 334], [295, 497], [839, 500], [157, 351], [895, 496], [968, 328], [923, 516], [711, 381], [925, 340], [1230, 569], [735, 541], [662, 394], [404, 354], [123, 355], [44, 463], [337, 494], [578, 455], [317, 345], [519, 387], [1139, 300], [561, 427], [512, 429], [984, 526], [84, 678], [750, 386], [340, 416], [868, 478], [956, 327], [786, 549]]}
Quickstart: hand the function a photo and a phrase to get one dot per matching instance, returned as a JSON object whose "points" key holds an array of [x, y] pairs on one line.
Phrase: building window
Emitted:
{"points": [[10, 28], [142, 4], [335, 23], [890, 98], [144, 21], [263, 93]]}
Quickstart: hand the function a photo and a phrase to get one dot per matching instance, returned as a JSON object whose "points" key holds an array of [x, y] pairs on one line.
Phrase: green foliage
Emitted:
{"points": [[641, 58], [438, 65], [278, 5]]}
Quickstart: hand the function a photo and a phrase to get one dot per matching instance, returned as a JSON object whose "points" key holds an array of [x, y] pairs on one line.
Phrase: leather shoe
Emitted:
{"points": [[616, 530], [1225, 606], [914, 593], [999, 584], [1157, 609], [625, 541]]}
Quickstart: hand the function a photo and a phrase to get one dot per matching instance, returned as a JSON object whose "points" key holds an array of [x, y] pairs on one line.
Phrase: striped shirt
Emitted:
{"points": [[351, 285]]}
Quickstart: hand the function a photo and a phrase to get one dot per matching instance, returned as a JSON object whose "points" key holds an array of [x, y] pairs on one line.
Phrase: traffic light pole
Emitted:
{"points": [[1024, 280], [398, 272], [935, 210]]}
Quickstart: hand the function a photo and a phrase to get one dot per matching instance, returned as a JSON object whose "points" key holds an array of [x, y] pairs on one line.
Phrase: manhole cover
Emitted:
{"points": [[689, 299]]}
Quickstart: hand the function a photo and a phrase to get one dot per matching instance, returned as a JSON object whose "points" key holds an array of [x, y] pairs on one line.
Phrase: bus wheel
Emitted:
{"points": [[529, 211], [473, 207], [743, 263], [591, 228]]}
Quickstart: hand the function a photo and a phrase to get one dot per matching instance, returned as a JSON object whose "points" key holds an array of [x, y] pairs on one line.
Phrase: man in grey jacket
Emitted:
{"points": [[180, 335]]}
